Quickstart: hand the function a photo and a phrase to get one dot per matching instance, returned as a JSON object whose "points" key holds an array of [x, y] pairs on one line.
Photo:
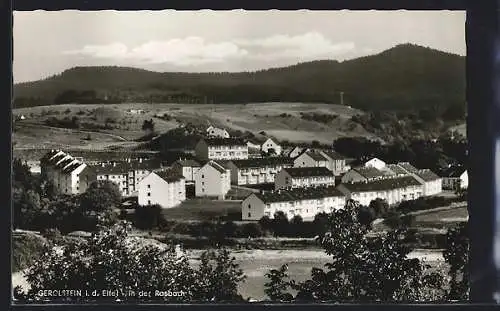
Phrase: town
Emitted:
{"points": [[304, 181]]}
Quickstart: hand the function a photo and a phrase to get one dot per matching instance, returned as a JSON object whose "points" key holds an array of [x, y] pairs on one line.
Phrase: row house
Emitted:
{"points": [[302, 177], [126, 174], [213, 180], [217, 132], [166, 188], [221, 149], [322, 158], [363, 174], [257, 171], [393, 190], [395, 170], [335, 162], [306, 203], [431, 182], [187, 168], [455, 178], [68, 174]]}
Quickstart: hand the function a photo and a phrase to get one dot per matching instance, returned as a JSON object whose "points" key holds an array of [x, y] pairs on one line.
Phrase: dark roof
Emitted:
{"points": [[48, 155], [408, 167], [219, 166], [308, 171], [298, 194], [427, 175], [169, 175], [65, 162], [225, 141], [188, 163], [454, 171], [125, 166], [57, 158], [262, 162], [396, 169], [381, 184], [72, 167], [333, 155], [369, 172]]}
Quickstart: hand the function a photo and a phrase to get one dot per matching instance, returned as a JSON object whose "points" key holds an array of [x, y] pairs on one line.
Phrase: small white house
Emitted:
{"points": [[310, 159], [306, 203], [432, 183], [165, 188], [455, 178], [213, 180], [376, 163], [302, 177], [270, 146], [215, 132]]}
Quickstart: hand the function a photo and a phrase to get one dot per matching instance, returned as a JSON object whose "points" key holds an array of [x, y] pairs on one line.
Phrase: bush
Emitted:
{"points": [[26, 249]]}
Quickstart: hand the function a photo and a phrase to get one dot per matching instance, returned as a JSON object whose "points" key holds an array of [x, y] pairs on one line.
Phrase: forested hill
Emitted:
{"points": [[401, 78]]}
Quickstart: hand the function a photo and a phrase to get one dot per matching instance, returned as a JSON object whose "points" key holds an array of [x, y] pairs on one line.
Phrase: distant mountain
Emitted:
{"points": [[405, 77]]}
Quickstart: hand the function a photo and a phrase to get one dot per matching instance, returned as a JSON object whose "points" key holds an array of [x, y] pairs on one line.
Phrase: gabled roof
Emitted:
{"points": [[123, 167], [46, 157], [381, 184], [72, 167], [454, 171], [262, 162], [427, 175], [169, 175], [408, 167], [316, 156], [218, 166], [396, 169], [224, 141], [369, 172], [299, 194], [308, 171], [187, 163], [332, 155]]}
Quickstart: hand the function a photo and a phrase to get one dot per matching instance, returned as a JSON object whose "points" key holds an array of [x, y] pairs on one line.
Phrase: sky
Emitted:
{"points": [[48, 42]]}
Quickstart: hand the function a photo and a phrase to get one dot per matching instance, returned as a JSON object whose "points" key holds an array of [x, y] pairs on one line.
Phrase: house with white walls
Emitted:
{"points": [[213, 180], [335, 162], [306, 203], [310, 158], [216, 132], [376, 163], [270, 146], [302, 177], [221, 149], [187, 168], [257, 171], [165, 188], [455, 178], [363, 174]]}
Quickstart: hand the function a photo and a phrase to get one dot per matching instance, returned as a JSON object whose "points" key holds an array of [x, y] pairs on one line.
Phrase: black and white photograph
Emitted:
{"points": [[186, 157]]}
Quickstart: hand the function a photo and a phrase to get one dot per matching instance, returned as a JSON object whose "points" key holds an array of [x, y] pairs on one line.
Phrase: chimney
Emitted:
{"points": [[140, 160], [114, 164]]}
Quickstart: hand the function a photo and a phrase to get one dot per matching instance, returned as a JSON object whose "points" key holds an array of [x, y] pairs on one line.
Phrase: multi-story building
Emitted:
{"points": [[127, 174], [335, 162], [302, 177], [310, 158], [165, 188], [187, 168], [303, 202], [257, 171], [221, 149], [432, 183], [69, 175], [455, 178], [363, 174], [213, 180], [217, 132], [393, 190], [271, 146], [395, 170]]}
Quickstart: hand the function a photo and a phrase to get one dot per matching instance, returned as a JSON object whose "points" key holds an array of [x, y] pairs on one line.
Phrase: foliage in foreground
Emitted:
{"points": [[111, 260]]}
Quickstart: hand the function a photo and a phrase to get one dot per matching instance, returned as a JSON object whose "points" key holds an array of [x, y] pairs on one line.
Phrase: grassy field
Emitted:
{"points": [[255, 118], [450, 216], [201, 209]]}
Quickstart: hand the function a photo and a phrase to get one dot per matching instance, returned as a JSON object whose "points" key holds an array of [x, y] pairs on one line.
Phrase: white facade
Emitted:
{"points": [[154, 189], [212, 180], [456, 183], [255, 175], [254, 208], [376, 163], [125, 175], [215, 150], [335, 164], [309, 159], [284, 180], [188, 169], [271, 145], [217, 132]]}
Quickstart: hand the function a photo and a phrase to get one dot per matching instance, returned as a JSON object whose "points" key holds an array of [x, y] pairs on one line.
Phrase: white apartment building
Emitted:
{"points": [[221, 149], [257, 171], [213, 180], [302, 177], [217, 132], [187, 168], [165, 188], [304, 202], [335, 162], [393, 190], [68, 174]]}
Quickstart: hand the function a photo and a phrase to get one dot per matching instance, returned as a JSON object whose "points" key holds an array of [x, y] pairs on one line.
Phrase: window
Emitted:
{"points": [[249, 206], [202, 189], [202, 176], [203, 183], [249, 215], [149, 186], [77, 188], [149, 202], [149, 194]]}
